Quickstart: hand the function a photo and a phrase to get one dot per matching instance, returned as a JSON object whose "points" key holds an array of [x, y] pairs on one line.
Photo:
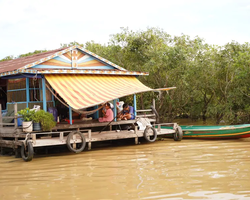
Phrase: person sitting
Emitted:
{"points": [[127, 112], [108, 114]]}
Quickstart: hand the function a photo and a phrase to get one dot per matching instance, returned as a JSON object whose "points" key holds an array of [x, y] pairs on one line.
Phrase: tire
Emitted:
{"points": [[178, 135], [28, 152], [82, 145], [150, 138]]}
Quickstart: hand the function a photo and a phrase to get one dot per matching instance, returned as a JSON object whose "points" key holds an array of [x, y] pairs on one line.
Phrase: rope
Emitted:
{"points": [[78, 111]]}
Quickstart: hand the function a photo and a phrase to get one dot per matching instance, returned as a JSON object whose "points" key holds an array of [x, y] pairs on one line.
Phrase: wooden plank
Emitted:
{"points": [[148, 115], [148, 110], [7, 124], [7, 130], [11, 143], [91, 124], [95, 137], [12, 135], [9, 117]]}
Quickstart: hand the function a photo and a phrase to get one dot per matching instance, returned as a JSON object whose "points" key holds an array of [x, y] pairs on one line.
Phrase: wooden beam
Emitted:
{"points": [[15, 115], [148, 115], [147, 110], [7, 124], [10, 143], [1, 119], [12, 135]]}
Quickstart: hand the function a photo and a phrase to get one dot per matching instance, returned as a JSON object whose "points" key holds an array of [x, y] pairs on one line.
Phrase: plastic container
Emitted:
{"points": [[19, 121], [54, 112]]}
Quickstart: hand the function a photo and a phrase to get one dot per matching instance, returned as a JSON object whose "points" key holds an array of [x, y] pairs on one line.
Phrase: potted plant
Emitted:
{"points": [[27, 117], [38, 117], [46, 120]]}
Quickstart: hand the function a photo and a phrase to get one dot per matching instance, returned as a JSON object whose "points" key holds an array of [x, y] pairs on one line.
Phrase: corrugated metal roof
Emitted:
{"points": [[11, 65]]}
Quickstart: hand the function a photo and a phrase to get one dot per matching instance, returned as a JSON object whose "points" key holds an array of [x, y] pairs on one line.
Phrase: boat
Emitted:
{"points": [[215, 132]]}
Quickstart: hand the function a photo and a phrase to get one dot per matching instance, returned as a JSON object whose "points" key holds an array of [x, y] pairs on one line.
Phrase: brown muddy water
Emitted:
{"points": [[189, 169]]}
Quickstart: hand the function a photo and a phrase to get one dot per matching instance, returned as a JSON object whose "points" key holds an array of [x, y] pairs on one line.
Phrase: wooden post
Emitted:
{"points": [[115, 109], [53, 98], [154, 108], [159, 128], [33, 138], [1, 117], [16, 137], [15, 115], [61, 136], [135, 105], [1, 121], [96, 114], [70, 115], [27, 92], [44, 95], [89, 135], [74, 141], [136, 138]]}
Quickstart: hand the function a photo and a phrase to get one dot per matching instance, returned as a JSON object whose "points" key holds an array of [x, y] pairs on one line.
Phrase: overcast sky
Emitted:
{"points": [[28, 25]]}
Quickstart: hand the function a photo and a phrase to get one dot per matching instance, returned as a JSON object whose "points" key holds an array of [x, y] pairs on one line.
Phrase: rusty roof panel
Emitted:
{"points": [[11, 65]]}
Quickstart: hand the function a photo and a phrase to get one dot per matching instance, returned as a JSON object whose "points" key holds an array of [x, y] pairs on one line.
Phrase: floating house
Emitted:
{"points": [[76, 78]]}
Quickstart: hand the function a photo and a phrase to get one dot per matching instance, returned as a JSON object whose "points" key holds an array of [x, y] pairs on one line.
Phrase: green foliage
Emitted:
{"points": [[45, 118], [32, 53], [211, 81], [7, 58], [27, 114], [23, 55]]}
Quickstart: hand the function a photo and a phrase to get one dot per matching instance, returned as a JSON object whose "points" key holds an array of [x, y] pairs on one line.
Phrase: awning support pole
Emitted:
{"points": [[53, 99], [27, 92], [44, 95], [96, 114], [115, 109], [70, 115], [135, 105]]}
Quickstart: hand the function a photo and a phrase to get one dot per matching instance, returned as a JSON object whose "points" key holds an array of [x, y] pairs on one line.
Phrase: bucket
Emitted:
{"points": [[36, 126], [27, 127]]}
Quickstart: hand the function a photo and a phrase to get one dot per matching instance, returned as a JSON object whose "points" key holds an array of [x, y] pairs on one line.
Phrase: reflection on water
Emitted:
{"points": [[190, 169]]}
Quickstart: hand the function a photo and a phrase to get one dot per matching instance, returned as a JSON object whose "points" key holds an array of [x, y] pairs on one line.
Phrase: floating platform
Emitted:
{"points": [[79, 135]]}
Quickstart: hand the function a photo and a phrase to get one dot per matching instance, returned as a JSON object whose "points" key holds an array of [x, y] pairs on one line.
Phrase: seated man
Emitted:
{"points": [[108, 114], [127, 112]]}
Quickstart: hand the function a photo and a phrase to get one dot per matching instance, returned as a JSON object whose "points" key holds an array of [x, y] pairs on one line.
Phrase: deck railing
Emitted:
{"points": [[9, 117]]}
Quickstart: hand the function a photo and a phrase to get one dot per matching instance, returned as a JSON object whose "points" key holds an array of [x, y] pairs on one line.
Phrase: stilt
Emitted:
{"points": [[17, 153], [136, 138], [89, 144]]}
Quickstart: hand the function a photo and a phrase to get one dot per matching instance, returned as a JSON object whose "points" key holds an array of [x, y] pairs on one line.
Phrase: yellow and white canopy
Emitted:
{"points": [[82, 91]]}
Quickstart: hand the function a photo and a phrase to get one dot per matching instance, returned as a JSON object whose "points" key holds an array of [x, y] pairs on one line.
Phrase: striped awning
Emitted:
{"points": [[82, 91]]}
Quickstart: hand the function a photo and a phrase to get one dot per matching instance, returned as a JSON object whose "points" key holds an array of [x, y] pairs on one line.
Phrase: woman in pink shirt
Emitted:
{"points": [[108, 114]]}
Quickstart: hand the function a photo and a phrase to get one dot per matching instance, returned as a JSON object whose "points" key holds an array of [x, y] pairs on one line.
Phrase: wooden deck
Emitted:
{"points": [[91, 136], [12, 136], [92, 124]]}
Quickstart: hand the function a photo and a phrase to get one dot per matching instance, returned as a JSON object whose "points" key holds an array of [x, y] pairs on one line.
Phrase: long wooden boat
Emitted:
{"points": [[215, 132]]}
